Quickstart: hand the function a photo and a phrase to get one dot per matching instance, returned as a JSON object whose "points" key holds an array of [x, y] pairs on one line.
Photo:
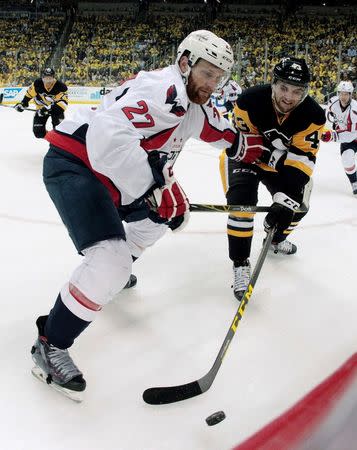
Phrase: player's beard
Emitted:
{"points": [[283, 108], [195, 94]]}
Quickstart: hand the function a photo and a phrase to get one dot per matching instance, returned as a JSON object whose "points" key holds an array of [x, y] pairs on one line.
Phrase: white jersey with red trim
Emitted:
{"points": [[149, 112], [231, 91], [344, 120]]}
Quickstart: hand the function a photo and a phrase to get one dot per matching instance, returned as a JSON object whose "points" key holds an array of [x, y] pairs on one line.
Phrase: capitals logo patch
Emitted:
{"points": [[171, 95]]}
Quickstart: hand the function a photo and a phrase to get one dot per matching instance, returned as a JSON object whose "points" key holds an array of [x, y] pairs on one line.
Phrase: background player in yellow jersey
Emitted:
{"points": [[279, 128], [51, 99]]}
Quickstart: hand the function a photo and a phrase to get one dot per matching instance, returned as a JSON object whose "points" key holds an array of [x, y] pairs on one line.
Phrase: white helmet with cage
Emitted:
{"points": [[206, 45], [345, 86]]}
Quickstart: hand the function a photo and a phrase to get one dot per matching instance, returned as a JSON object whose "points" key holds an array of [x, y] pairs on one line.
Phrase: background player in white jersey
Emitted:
{"points": [[229, 95], [342, 112], [100, 170]]}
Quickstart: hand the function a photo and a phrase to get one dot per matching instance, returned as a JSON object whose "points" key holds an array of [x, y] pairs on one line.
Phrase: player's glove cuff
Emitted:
{"points": [[329, 136], [246, 148], [157, 164]]}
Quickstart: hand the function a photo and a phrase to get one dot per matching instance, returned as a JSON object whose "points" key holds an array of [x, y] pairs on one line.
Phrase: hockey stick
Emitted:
{"points": [[198, 207], [13, 106], [171, 394]]}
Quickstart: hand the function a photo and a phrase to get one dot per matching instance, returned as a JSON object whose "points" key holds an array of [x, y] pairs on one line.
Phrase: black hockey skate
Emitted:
{"points": [[55, 367]]}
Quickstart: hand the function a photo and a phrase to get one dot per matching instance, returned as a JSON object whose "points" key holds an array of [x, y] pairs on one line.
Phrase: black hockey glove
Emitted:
{"points": [[19, 107], [43, 112], [281, 212], [178, 223]]}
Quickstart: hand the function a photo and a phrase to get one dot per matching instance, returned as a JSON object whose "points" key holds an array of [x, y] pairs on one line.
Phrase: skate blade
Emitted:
{"points": [[38, 373], [271, 251]]}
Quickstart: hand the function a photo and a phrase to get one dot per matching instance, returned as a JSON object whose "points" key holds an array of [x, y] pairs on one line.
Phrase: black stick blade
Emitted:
{"points": [[171, 394]]}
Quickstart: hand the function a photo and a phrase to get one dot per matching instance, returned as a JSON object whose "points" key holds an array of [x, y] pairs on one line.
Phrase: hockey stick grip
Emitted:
{"points": [[201, 207]]}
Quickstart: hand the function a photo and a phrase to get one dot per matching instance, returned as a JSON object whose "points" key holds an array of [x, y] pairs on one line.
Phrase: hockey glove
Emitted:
{"points": [[43, 112], [19, 107], [177, 224], [246, 148], [168, 198], [329, 136], [281, 212]]}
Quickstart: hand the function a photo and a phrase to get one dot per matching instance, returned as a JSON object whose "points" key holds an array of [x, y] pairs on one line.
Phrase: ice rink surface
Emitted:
{"points": [[298, 328]]}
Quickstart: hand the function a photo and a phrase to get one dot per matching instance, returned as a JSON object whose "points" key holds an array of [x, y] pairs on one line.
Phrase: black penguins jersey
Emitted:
{"points": [[56, 95], [292, 139]]}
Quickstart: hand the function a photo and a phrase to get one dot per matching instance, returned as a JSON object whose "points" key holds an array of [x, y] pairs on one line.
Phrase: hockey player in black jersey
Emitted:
{"points": [[279, 126], [51, 99]]}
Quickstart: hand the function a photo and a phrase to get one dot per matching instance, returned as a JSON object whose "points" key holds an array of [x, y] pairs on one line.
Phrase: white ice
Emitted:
{"points": [[299, 326]]}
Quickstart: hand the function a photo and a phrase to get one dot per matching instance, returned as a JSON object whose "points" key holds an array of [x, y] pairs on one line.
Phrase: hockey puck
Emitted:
{"points": [[215, 418]]}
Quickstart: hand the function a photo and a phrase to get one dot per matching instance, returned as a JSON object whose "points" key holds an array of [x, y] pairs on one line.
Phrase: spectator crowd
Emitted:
{"points": [[103, 50]]}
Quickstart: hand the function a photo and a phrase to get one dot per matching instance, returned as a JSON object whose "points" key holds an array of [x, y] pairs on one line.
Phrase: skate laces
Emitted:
{"points": [[241, 277], [62, 362]]}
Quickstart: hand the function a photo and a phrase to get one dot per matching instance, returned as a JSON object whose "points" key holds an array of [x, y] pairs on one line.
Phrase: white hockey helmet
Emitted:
{"points": [[206, 45], [345, 86]]}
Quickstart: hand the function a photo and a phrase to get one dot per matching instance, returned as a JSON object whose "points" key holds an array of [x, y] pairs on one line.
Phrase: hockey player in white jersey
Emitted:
{"points": [[342, 112], [115, 165], [229, 94]]}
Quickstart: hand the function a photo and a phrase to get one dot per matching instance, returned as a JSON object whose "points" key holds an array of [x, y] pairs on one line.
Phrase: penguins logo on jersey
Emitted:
{"points": [[277, 139]]}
